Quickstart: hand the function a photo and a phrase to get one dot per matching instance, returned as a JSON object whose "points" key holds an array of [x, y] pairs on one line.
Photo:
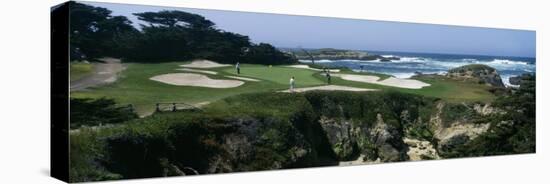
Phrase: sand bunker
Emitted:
{"points": [[204, 64], [242, 78], [198, 80], [309, 68], [329, 88], [391, 81], [197, 71]]}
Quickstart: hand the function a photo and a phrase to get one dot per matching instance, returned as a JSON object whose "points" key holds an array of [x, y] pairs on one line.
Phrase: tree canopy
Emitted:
{"points": [[165, 36]]}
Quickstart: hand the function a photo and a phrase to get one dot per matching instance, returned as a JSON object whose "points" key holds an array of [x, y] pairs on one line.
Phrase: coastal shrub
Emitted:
{"points": [[93, 112], [511, 132], [85, 153]]}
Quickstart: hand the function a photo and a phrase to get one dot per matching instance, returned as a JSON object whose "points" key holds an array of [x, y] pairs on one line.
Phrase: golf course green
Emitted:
{"points": [[134, 86]]}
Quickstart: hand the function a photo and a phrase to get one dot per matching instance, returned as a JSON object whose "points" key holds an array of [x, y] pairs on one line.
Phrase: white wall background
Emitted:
{"points": [[24, 84]]}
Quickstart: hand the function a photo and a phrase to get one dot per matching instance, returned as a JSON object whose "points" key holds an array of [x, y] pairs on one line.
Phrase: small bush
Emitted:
{"points": [[90, 112]]}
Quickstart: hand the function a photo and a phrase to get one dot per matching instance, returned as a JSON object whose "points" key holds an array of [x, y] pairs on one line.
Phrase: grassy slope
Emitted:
{"points": [[134, 86], [80, 70]]}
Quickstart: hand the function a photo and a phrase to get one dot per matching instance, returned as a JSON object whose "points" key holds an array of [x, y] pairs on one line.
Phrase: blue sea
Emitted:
{"points": [[410, 63]]}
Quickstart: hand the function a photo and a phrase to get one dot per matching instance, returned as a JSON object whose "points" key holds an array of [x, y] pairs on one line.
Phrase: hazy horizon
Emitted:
{"points": [[289, 31]]}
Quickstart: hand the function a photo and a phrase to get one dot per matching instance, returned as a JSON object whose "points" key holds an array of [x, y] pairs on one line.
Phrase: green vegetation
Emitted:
{"points": [[80, 70], [134, 87], [472, 67], [281, 128], [89, 112], [165, 36], [453, 90], [255, 126], [282, 131], [279, 75], [512, 132]]}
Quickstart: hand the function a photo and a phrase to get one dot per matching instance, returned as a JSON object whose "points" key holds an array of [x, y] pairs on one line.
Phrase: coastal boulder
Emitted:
{"points": [[478, 73]]}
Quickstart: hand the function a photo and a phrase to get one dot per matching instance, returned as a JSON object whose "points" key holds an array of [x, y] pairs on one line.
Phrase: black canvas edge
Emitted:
{"points": [[59, 91]]}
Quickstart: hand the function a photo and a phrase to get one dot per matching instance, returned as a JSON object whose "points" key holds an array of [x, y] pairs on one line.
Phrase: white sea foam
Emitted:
{"points": [[468, 60], [506, 81], [507, 62], [316, 61]]}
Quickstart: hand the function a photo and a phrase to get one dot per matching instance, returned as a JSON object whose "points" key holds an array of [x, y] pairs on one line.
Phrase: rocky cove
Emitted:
{"points": [[324, 128]]}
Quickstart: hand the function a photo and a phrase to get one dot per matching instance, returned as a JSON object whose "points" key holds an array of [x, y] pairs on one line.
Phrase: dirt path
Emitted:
{"points": [[103, 73]]}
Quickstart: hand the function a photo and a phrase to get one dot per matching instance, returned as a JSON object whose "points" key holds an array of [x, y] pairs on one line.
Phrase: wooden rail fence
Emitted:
{"points": [[173, 107]]}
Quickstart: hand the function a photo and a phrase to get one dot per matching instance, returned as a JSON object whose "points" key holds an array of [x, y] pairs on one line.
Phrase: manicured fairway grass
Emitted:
{"points": [[80, 70], [134, 86], [279, 74]]}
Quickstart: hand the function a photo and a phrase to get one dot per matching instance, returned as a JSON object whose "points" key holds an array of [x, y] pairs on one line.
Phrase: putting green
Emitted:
{"points": [[278, 74]]}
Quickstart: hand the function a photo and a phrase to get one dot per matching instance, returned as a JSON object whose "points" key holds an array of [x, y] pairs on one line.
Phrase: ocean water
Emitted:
{"points": [[435, 64]]}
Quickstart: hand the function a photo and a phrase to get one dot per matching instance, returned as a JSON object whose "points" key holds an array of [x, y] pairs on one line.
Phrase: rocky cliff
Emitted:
{"points": [[299, 130]]}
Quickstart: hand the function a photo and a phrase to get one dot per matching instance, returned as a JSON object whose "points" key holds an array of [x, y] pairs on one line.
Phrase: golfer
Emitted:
{"points": [[292, 84], [238, 67], [328, 76]]}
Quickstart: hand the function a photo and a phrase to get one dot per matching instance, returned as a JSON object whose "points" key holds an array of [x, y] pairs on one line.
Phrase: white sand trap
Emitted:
{"points": [[198, 80], [242, 78], [390, 81], [329, 88], [198, 71], [359, 78], [204, 64], [404, 83], [309, 68]]}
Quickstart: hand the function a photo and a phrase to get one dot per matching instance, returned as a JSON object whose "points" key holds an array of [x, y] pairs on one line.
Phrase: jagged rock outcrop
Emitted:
{"points": [[382, 142], [389, 141], [477, 73], [453, 131], [341, 136], [337, 54], [516, 80]]}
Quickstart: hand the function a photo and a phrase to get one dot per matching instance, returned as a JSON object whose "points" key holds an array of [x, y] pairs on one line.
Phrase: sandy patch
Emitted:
{"points": [[309, 68], [390, 81], [198, 80], [420, 150], [204, 64], [329, 88], [242, 78], [198, 71]]}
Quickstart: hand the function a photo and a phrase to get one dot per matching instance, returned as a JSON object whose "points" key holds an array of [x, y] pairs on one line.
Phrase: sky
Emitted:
{"points": [[288, 31]]}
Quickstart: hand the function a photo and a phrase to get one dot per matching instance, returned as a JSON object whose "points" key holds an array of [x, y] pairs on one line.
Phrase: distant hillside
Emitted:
{"points": [[335, 54]]}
